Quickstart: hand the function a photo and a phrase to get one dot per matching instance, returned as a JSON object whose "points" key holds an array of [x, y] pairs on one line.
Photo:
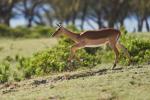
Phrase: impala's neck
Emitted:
{"points": [[71, 35]]}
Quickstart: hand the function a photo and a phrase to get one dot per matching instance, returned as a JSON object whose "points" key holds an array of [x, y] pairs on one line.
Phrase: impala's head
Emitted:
{"points": [[58, 31]]}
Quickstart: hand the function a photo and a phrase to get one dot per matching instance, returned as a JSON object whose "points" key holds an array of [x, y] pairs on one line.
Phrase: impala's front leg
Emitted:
{"points": [[113, 46], [74, 48]]}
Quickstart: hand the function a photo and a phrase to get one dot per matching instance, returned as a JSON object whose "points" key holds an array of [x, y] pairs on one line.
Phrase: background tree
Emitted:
{"points": [[6, 10], [141, 12], [105, 13]]}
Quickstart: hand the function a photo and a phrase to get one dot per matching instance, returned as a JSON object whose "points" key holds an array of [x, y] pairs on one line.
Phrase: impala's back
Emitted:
{"points": [[103, 33]]}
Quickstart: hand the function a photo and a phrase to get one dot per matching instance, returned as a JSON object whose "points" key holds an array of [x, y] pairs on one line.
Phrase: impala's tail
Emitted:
{"points": [[119, 34]]}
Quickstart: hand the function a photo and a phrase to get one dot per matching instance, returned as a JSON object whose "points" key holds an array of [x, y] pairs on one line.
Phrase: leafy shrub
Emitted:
{"points": [[5, 30], [11, 70], [24, 32], [139, 48], [55, 60], [40, 31], [4, 72]]}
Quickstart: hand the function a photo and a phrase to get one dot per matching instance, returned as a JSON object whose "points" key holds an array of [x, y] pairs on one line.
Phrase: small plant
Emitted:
{"points": [[4, 72]]}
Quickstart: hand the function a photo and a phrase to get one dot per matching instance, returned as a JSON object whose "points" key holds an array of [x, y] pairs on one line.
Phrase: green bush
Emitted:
{"points": [[55, 60], [11, 69], [39, 31], [4, 72], [139, 48], [24, 32], [5, 30]]}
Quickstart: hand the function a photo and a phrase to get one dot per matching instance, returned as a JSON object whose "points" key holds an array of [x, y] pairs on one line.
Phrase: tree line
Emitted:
{"points": [[105, 13]]}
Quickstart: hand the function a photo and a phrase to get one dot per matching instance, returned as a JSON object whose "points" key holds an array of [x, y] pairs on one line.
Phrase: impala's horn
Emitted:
{"points": [[59, 25]]}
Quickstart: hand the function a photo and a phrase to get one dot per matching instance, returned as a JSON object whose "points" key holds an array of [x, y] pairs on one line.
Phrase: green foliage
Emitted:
{"points": [[40, 31], [24, 32], [4, 30], [4, 72], [8, 72], [139, 48], [55, 60]]}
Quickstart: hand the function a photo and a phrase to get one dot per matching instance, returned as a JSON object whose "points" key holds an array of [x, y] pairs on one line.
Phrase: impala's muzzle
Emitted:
{"points": [[56, 34]]}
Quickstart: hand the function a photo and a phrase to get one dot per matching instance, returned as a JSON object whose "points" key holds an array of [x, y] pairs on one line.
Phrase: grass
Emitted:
{"points": [[145, 35], [23, 47], [129, 83]]}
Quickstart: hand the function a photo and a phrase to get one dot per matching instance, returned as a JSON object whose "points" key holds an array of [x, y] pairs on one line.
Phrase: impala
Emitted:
{"points": [[94, 38]]}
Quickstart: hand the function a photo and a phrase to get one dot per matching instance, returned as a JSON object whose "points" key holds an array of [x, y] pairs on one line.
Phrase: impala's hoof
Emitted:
{"points": [[129, 64], [81, 59], [70, 60], [114, 66]]}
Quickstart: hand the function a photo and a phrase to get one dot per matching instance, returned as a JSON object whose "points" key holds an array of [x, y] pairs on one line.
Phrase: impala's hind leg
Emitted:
{"points": [[113, 46], [125, 51]]}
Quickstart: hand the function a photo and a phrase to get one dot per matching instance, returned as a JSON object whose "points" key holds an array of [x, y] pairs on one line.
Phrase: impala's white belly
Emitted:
{"points": [[96, 45]]}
